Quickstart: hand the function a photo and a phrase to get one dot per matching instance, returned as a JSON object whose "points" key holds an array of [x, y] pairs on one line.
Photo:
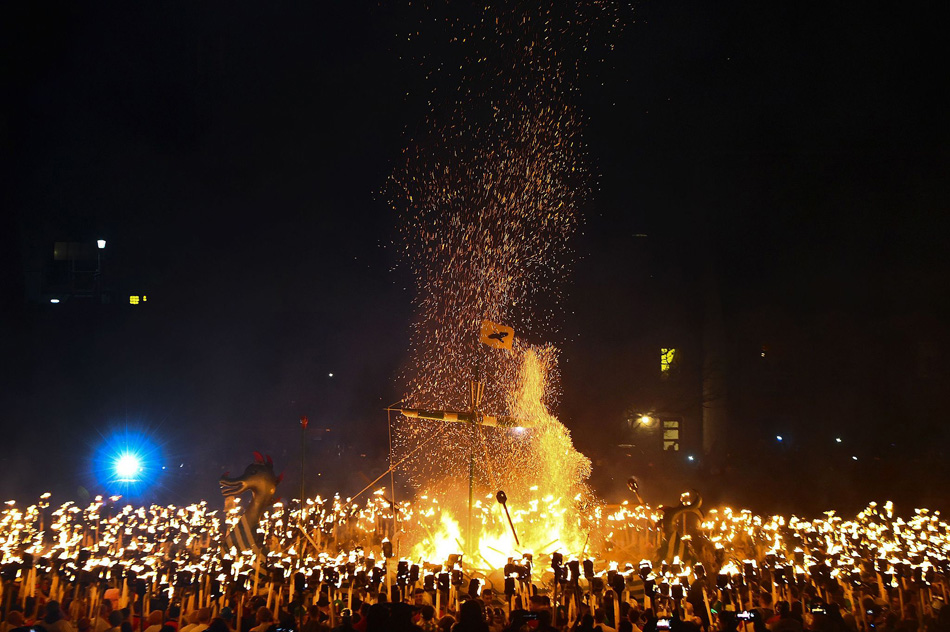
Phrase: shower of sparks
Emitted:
{"points": [[488, 194]]}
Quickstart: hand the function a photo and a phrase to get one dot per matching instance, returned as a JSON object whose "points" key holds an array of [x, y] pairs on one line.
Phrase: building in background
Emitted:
{"points": [[79, 272], [76, 272]]}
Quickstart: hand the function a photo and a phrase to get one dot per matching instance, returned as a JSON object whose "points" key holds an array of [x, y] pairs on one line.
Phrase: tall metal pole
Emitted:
{"points": [[392, 482], [471, 491], [303, 467], [469, 542]]}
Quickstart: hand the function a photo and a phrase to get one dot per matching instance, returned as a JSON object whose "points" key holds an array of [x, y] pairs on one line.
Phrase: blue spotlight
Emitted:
{"points": [[127, 462], [128, 468]]}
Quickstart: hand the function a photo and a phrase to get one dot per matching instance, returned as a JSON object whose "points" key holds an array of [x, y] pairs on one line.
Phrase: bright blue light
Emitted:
{"points": [[128, 468], [127, 462], [778, 437]]}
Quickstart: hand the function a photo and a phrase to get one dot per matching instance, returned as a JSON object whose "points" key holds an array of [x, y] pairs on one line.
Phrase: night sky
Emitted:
{"points": [[234, 157]]}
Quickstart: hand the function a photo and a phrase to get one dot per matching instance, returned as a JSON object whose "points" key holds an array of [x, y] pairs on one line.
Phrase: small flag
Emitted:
{"points": [[497, 336]]}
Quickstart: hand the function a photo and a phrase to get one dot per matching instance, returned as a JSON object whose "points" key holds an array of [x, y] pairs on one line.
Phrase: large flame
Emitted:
{"points": [[557, 468], [542, 473]]}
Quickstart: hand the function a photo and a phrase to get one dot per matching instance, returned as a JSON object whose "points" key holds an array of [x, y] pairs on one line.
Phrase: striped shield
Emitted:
{"points": [[242, 537], [673, 547], [635, 587]]}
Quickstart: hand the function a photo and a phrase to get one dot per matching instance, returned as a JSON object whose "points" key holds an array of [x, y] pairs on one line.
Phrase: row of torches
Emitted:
{"points": [[340, 548]]}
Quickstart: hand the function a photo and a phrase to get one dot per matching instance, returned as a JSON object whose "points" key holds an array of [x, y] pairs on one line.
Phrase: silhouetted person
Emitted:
{"points": [[786, 621], [377, 618], [471, 618], [54, 621]]}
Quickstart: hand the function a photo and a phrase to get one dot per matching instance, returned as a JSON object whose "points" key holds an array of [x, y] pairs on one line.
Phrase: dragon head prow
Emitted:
{"points": [[258, 478]]}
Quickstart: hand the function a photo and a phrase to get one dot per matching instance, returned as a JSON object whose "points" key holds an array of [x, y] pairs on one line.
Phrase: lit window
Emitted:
{"points": [[133, 300], [669, 359], [671, 435]]}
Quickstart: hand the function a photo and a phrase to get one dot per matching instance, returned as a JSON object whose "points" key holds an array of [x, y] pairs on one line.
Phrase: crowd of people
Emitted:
{"points": [[810, 608]]}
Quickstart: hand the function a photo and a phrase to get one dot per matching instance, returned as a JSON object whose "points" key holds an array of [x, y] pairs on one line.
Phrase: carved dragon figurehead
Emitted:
{"points": [[260, 480]]}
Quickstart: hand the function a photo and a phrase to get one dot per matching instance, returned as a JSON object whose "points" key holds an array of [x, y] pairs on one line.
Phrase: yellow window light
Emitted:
{"points": [[667, 358], [133, 300], [671, 435]]}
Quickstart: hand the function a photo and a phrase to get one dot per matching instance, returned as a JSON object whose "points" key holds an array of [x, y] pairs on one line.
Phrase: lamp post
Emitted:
{"points": [[101, 244], [304, 422]]}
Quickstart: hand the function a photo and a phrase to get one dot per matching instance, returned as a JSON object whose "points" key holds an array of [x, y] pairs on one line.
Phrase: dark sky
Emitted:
{"points": [[233, 156]]}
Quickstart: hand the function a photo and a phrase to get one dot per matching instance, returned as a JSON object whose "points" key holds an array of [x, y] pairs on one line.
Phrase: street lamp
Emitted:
{"points": [[101, 243]]}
